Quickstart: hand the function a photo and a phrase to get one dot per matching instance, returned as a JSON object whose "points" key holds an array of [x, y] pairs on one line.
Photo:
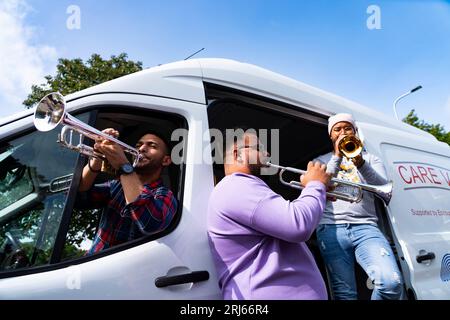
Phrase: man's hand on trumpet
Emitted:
{"points": [[315, 172], [358, 161], [95, 164], [112, 151]]}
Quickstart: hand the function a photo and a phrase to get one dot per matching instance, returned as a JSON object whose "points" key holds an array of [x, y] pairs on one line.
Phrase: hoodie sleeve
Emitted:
{"points": [[292, 221], [373, 171]]}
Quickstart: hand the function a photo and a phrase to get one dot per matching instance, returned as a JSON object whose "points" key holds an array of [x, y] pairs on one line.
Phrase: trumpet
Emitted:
{"points": [[384, 192], [350, 146], [51, 111]]}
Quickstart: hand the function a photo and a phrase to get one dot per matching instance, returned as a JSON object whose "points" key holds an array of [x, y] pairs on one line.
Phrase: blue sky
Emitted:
{"points": [[324, 43]]}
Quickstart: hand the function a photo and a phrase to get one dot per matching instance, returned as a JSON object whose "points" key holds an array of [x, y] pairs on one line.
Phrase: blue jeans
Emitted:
{"points": [[340, 244]]}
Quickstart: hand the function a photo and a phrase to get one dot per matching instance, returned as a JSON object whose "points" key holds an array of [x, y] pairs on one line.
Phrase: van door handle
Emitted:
{"points": [[426, 256], [195, 276]]}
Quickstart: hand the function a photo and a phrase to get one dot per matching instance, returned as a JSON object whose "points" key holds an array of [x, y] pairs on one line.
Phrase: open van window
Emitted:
{"points": [[84, 222], [38, 225], [301, 137]]}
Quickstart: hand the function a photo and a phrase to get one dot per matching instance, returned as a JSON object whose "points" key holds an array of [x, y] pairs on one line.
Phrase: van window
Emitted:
{"points": [[30, 206], [40, 225], [301, 136], [131, 124]]}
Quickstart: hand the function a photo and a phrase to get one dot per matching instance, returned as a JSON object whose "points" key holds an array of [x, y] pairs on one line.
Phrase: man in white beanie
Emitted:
{"points": [[349, 231]]}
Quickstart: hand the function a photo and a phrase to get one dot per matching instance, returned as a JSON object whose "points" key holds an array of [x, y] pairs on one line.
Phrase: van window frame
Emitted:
{"points": [[300, 111], [22, 132], [55, 262], [216, 94]]}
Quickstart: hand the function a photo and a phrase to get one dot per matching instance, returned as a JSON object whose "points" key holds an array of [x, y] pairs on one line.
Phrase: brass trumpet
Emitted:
{"points": [[350, 146], [51, 111], [384, 192]]}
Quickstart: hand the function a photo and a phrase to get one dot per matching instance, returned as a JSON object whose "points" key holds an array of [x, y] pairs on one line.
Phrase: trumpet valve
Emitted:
{"points": [[108, 169]]}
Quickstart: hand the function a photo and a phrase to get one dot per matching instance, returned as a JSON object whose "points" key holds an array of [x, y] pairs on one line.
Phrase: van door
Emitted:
{"points": [[419, 211], [172, 265]]}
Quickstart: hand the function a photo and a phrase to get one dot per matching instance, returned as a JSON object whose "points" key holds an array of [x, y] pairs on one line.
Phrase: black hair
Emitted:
{"points": [[163, 137]]}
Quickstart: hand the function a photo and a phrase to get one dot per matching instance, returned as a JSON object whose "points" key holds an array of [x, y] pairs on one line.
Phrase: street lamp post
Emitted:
{"points": [[402, 96]]}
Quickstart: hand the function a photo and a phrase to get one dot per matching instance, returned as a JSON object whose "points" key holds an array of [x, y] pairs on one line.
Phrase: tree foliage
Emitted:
{"points": [[73, 75], [435, 129]]}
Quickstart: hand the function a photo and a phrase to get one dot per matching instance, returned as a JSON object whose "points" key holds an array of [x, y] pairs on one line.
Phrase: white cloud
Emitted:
{"points": [[23, 62]]}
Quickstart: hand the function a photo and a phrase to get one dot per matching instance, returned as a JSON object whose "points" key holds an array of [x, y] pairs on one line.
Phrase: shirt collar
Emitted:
{"points": [[155, 184]]}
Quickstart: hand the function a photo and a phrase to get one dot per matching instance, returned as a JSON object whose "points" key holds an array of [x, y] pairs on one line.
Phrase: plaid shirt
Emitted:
{"points": [[151, 212]]}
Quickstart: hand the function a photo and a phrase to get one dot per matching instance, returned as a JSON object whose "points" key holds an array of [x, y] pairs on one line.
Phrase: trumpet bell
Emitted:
{"points": [[350, 146], [49, 112], [384, 192]]}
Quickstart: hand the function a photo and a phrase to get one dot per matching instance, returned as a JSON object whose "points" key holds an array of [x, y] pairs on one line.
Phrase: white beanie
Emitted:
{"points": [[347, 117]]}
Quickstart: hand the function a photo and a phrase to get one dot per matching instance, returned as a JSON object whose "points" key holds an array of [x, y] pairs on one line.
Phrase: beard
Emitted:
{"points": [[148, 165], [255, 168]]}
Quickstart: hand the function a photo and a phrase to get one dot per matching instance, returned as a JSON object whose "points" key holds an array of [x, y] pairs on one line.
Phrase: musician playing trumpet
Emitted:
{"points": [[136, 203], [349, 231]]}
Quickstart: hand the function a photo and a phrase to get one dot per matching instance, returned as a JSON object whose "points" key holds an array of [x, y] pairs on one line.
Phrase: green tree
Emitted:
{"points": [[435, 129], [73, 75]]}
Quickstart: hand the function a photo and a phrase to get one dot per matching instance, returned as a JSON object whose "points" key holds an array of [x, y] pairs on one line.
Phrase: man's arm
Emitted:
{"points": [[291, 221], [90, 197], [294, 221], [373, 171], [132, 186], [90, 172], [333, 166]]}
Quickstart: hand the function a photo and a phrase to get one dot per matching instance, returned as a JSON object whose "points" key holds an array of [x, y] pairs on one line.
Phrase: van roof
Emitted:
{"points": [[183, 80]]}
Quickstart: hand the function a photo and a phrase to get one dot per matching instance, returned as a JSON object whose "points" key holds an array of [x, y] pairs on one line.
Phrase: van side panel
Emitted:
{"points": [[419, 212]]}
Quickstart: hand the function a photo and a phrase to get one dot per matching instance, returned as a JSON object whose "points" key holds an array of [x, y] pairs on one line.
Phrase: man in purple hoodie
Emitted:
{"points": [[258, 238]]}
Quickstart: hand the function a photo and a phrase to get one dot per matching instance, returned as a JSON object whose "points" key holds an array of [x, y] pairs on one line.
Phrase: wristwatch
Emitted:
{"points": [[126, 168]]}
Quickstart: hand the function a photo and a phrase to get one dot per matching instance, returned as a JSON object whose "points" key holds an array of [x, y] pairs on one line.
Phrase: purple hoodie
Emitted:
{"points": [[257, 240]]}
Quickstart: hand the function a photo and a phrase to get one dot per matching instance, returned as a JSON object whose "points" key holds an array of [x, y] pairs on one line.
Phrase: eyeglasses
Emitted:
{"points": [[258, 147]]}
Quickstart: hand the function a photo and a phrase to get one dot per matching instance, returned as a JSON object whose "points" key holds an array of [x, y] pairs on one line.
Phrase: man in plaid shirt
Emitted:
{"points": [[136, 204]]}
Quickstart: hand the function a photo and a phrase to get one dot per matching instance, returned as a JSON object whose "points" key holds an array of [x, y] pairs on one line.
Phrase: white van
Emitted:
{"points": [[44, 237]]}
